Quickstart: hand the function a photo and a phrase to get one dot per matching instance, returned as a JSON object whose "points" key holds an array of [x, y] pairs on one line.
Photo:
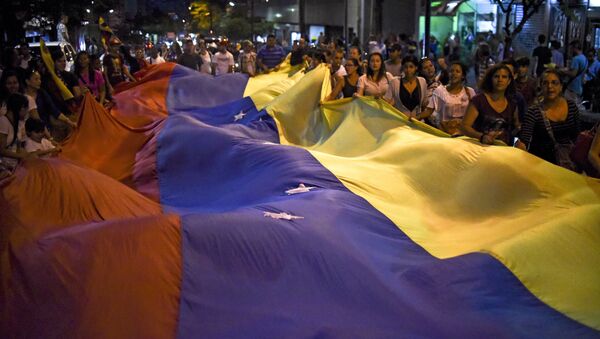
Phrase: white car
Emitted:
{"points": [[66, 47]]}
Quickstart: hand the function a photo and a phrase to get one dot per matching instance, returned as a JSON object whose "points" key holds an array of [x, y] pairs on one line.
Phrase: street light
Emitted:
{"points": [[231, 4], [111, 11], [88, 10]]}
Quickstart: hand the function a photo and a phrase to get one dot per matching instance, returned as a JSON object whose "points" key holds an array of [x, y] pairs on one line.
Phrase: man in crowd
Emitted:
{"points": [[155, 58], [298, 52], [222, 61], [394, 63], [576, 72], [62, 34], [25, 55], [270, 56], [337, 69], [247, 59], [542, 55], [189, 58]]}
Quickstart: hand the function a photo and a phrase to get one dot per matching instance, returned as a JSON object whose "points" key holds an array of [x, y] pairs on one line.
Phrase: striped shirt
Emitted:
{"points": [[271, 57], [535, 135]]}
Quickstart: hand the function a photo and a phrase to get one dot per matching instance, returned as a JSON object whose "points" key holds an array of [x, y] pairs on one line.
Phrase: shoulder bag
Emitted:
{"points": [[561, 151]]}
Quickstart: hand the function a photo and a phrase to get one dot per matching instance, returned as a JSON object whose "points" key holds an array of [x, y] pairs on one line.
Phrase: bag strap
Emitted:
{"points": [[548, 126]]}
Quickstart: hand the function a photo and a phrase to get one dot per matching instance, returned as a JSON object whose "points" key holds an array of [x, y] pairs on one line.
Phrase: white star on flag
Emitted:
{"points": [[281, 215], [239, 116], [300, 189]]}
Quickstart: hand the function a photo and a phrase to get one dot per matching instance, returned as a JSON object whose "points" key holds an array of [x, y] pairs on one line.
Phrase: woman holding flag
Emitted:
{"points": [[89, 78]]}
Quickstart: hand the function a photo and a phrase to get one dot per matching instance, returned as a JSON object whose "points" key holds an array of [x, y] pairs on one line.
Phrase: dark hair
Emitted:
{"points": [[487, 85], [421, 62], [177, 48], [319, 56], [510, 62], [356, 48], [463, 68], [354, 61], [271, 36], [575, 44], [412, 59], [93, 58], [5, 75], [555, 44], [109, 67], [14, 104], [29, 73], [523, 61], [91, 70], [34, 125], [541, 38], [370, 71], [591, 50], [395, 47]]}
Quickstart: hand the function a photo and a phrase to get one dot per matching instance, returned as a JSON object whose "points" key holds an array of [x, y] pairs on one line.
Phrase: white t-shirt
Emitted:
{"points": [[7, 129], [31, 103], [222, 61], [447, 106], [32, 145], [341, 71], [25, 62], [158, 60]]}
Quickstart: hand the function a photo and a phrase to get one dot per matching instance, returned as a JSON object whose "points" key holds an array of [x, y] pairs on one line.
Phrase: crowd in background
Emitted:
{"points": [[532, 102]]}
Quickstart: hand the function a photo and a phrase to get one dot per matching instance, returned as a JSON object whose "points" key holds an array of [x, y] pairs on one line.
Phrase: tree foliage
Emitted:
{"points": [[530, 7], [232, 22], [204, 15]]}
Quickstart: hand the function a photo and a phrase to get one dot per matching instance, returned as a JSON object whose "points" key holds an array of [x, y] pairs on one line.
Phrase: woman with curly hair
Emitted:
{"points": [[492, 114]]}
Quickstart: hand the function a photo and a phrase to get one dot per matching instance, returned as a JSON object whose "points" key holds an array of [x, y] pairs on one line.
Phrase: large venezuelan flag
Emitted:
{"points": [[226, 207]]}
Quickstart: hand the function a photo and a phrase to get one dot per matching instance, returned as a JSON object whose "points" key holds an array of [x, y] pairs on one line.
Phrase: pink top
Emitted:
{"points": [[84, 80]]}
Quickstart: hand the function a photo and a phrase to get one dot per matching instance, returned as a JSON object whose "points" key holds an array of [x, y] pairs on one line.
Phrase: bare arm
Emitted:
{"points": [[77, 92], [261, 65], [467, 126], [8, 153], [102, 91], [131, 77], [336, 90], [66, 120], [426, 113]]}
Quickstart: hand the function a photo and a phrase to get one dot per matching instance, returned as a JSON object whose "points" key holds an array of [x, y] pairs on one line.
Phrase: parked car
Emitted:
{"points": [[53, 46]]}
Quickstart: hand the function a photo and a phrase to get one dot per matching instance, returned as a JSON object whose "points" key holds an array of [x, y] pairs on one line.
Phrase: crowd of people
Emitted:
{"points": [[530, 102]]}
